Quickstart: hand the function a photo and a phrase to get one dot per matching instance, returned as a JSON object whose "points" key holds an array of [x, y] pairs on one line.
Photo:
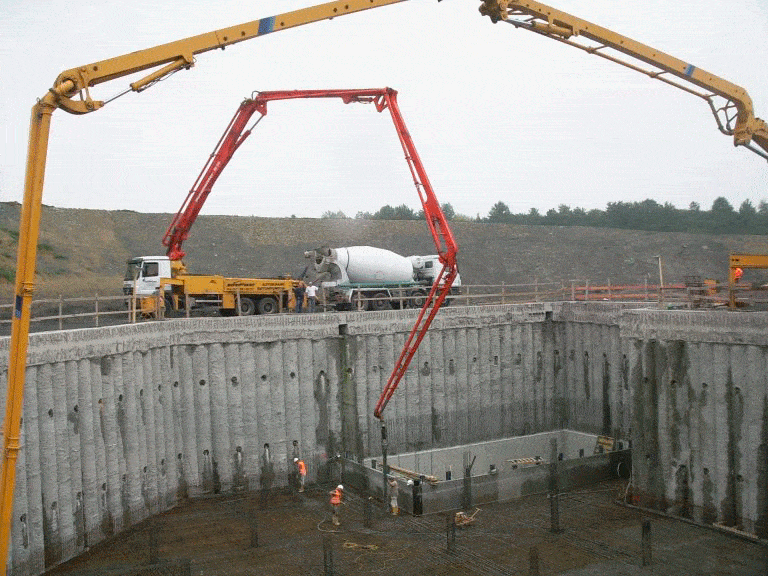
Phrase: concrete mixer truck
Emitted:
{"points": [[369, 278]]}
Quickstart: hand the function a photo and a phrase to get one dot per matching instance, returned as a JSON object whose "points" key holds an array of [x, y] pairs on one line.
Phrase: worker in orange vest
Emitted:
{"points": [[302, 469], [737, 274], [336, 496]]}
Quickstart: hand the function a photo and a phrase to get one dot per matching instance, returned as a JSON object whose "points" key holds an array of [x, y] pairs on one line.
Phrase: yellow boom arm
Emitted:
{"points": [[71, 92], [733, 112], [180, 54]]}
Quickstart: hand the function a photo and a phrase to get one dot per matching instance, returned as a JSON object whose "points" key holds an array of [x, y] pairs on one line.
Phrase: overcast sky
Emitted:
{"points": [[496, 113]]}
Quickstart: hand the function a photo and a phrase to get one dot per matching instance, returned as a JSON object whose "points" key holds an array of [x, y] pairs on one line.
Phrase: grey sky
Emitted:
{"points": [[496, 113]]}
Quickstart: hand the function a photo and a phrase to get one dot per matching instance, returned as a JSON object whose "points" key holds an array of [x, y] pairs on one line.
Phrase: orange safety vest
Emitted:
{"points": [[302, 467], [336, 497]]}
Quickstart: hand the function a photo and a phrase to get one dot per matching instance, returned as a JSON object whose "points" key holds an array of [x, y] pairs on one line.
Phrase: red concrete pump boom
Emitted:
{"points": [[382, 98]]}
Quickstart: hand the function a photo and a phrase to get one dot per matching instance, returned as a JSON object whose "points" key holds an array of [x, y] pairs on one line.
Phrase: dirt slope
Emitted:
{"points": [[84, 251]]}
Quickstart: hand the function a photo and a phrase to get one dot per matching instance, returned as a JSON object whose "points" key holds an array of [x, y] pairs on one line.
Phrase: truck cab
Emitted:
{"points": [[426, 268], [143, 274]]}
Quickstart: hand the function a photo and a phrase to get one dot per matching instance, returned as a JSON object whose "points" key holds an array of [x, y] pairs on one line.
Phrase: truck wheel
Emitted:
{"points": [[418, 297], [268, 305], [247, 307], [169, 311], [380, 305]]}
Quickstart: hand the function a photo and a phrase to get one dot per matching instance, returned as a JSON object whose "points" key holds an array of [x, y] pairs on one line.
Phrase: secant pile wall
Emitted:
{"points": [[121, 422], [700, 414]]}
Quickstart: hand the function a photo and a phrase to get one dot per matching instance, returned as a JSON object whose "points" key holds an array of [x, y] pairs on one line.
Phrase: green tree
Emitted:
{"points": [[384, 213], [404, 212], [448, 211], [722, 206], [499, 213], [596, 217], [401, 212], [747, 209], [618, 215], [748, 220], [579, 217], [762, 217], [722, 216], [334, 215]]}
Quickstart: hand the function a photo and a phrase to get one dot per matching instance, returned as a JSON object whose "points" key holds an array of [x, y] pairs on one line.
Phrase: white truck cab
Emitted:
{"points": [[142, 276], [428, 267]]}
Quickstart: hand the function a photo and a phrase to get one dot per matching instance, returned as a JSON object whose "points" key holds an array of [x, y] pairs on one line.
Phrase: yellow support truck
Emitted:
{"points": [[148, 276]]}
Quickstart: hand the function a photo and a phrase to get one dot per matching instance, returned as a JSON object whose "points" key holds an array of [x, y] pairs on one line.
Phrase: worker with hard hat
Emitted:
{"points": [[336, 496], [302, 470]]}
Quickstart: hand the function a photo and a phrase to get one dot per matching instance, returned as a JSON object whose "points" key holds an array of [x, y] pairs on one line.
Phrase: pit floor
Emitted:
{"points": [[598, 537]]}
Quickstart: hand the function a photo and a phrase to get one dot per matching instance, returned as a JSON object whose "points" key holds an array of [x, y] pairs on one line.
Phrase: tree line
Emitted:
{"points": [[721, 218]]}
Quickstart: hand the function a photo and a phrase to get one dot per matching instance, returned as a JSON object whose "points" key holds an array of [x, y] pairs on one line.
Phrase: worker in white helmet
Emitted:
{"points": [[336, 496]]}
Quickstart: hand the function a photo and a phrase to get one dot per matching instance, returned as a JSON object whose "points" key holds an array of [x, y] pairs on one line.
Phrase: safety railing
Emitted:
{"points": [[78, 312], [98, 310]]}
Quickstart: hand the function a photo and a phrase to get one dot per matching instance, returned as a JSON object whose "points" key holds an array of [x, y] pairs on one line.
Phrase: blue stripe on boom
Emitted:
{"points": [[266, 25], [690, 69]]}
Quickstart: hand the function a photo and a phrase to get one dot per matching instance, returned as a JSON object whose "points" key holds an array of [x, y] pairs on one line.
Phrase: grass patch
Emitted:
{"points": [[7, 274], [12, 233], [76, 286]]}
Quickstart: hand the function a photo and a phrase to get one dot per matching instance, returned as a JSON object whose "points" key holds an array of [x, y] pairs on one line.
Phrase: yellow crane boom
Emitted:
{"points": [[730, 104]]}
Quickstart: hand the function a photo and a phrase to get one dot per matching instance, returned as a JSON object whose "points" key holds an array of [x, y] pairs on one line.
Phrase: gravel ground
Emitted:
{"points": [[217, 536]]}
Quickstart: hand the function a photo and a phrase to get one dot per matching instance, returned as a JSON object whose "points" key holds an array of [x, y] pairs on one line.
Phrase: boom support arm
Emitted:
{"points": [[735, 117]]}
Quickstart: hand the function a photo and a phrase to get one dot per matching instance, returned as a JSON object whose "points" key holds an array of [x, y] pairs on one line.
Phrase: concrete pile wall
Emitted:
{"points": [[700, 414], [490, 372], [120, 423]]}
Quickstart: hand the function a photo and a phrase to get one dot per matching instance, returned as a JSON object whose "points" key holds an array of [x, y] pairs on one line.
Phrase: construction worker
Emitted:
{"points": [[394, 488], [737, 274], [336, 496], [302, 469]]}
